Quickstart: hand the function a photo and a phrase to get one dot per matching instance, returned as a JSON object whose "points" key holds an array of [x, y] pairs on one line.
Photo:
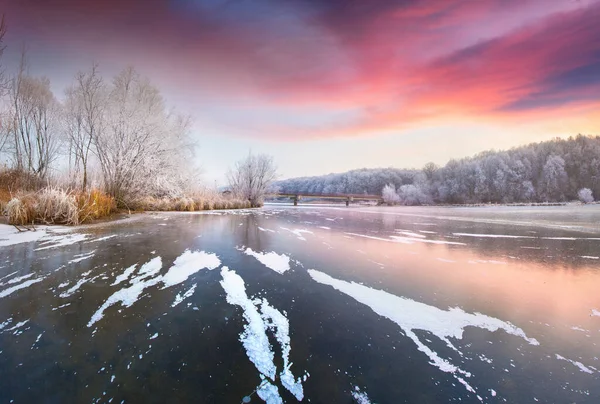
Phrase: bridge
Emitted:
{"points": [[345, 197]]}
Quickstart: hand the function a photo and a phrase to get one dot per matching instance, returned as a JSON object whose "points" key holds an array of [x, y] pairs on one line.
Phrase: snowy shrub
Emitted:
{"points": [[585, 195]]}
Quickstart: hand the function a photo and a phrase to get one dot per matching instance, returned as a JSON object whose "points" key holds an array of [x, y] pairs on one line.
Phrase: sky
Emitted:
{"points": [[328, 86]]}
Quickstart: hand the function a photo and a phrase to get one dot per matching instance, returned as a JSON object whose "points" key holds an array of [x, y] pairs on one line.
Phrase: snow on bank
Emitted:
{"points": [[272, 260], [11, 236], [183, 267], [580, 365], [256, 342], [411, 315]]}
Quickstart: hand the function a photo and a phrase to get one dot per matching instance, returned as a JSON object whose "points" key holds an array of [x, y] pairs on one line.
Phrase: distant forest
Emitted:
{"points": [[551, 171]]}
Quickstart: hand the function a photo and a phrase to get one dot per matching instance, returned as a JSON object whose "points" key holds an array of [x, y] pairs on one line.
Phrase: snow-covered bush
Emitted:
{"points": [[585, 195]]}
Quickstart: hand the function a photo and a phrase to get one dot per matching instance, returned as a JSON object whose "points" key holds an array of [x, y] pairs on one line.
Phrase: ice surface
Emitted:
{"points": [[272, 260], [411, 315]]}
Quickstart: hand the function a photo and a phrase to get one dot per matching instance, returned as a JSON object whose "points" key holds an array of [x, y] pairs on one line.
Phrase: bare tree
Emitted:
{"points": [[84, 117], [251, 177]]}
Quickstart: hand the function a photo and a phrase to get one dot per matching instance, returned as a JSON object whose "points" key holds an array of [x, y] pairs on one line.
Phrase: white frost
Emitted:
{"points": [[188, 264], [411, 315], [272, 260]]}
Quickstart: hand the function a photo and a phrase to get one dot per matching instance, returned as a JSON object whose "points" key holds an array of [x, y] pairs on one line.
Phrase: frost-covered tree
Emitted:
{"points": [[585, 195], [389, 194], [33, 123], [85, 117], [142, 146], [251, 177], [554, 179]]}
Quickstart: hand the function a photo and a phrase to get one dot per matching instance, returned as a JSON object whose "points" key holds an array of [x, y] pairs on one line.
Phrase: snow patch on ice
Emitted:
{"points": [[325, 227], [298, 232], [360, 396], [75, 287], [23, 285], [125, 275], [406, 240], [180, 298], [269, 393], [131, 294], [61, 241], [188, 264], [17, 279], [589, 257], [255, 340], [490, 235], [411, 315], [580, 365], [102, 238], [595, 312], [277, 262], [268, 230], [82, 257], [410, 234]]}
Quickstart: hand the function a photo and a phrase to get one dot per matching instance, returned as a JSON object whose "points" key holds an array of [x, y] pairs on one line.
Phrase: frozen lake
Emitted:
{"points": [[311, 304]]}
